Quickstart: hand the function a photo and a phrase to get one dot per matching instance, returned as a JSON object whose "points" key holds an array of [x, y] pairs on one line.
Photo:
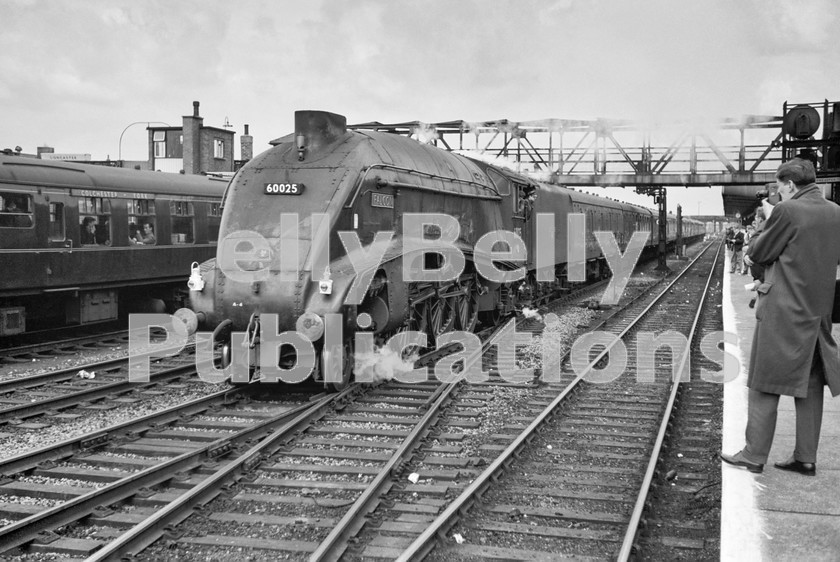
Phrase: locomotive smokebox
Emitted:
{"points": [[315, 130]]}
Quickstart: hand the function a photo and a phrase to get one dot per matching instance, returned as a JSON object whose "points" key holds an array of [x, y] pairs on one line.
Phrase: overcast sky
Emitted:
{"points": [[76, 74]]}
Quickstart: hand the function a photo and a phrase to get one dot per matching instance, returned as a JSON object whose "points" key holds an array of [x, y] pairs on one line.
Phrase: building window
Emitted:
{"points": [[57, 221], [95, 221], [142, 229], [218, 148], [15, 210], [182, 213], [214, 219], [159, 139]]}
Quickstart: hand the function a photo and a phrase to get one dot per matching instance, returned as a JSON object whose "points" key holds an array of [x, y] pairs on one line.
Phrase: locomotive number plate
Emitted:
{"points": [[383, 200], [283, 188]]}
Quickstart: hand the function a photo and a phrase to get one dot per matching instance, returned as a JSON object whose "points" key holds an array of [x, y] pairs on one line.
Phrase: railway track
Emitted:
{"points": [[57, 392], [577, 479], [52, 489], [62, 344], [366, 474]]}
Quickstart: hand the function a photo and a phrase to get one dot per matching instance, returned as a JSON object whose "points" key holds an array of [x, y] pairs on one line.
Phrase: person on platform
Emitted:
{"points": [[736, 244], [748, 234], [793, 352]]}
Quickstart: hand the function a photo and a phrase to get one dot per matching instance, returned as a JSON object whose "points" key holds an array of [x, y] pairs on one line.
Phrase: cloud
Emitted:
{"points": [[114, 16], [795, 28], [430, 61]]}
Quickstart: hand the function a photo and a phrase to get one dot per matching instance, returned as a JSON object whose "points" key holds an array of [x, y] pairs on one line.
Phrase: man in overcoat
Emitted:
{"points": [[793, 352]]}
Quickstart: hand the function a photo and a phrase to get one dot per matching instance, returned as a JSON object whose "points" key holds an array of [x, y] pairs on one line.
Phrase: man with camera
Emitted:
{"points": [[793, 352]]}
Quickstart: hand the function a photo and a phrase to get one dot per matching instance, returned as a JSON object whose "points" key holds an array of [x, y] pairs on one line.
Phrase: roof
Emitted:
{"points": [[70, 175]]}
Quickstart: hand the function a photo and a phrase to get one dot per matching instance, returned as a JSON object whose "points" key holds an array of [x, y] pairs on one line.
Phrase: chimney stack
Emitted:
{"points": [[247, 145], [192, 141]]}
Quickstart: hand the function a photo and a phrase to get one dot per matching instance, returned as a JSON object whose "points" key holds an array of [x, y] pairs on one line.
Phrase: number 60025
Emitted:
{"points": [[284, 188]]}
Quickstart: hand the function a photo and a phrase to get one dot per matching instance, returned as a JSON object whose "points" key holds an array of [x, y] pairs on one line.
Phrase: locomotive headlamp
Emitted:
{"points": [[325, 284], [196, 281], [310, 325]]}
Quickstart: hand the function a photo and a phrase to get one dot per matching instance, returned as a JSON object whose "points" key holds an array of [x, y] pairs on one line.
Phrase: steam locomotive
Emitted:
{"points": [[343, 232]]}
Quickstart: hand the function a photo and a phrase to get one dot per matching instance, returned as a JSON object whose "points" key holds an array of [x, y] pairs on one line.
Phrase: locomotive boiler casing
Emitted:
{"points": [[364, 183]]}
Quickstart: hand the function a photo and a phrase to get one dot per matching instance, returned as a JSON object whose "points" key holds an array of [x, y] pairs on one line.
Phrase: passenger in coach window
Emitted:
{"points": [[88, 231], [102, 233], [133, 233], [147, 238], [793, 352], [10, 205]]}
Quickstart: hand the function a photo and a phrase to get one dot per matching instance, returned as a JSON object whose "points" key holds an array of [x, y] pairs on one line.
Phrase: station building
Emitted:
{"points": [[195, 148], [192, 148]]}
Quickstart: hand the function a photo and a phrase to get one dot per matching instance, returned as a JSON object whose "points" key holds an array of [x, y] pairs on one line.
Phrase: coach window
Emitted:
{"points": [[182, 213], [57, 221], [214, 219], [141, 212], [15, 210], [95, 211]]}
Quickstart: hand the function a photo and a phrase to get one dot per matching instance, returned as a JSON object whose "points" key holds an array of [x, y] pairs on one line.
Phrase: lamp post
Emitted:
{"points": [[119, 157]]}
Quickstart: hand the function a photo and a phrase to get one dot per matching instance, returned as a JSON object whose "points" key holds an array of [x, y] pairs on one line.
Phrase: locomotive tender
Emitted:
{"points": [[70, 248], [299, 219]]}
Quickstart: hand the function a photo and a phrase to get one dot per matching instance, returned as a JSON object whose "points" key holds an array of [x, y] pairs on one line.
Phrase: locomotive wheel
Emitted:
{"points": [[441, 315], [431, 315], [347, 370], [466, 308]]}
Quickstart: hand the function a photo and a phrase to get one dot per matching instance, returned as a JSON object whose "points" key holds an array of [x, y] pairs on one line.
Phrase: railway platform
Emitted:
{"points": [[775, 515]]}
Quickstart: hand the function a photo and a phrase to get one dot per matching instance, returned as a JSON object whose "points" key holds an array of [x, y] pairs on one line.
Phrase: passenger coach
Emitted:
{"points": [[82, 243]]}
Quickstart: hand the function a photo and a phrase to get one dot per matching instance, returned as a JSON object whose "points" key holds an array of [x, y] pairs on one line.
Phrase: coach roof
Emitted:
{"points": [[42, 173]]}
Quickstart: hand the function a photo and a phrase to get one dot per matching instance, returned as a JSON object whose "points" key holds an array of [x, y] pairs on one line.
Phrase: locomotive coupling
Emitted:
{"points": [[196, 282]]}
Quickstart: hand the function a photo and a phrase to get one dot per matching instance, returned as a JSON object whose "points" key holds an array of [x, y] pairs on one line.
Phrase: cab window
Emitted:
{"points": [[501, 182], [15, 210]]}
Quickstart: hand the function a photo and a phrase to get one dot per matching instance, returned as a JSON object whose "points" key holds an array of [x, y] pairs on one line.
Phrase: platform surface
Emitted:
{"points": [[775, 515]]}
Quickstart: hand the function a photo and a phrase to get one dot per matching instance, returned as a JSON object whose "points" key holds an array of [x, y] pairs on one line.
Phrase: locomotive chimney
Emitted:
{"points": [[246, 142], [317, 129]]}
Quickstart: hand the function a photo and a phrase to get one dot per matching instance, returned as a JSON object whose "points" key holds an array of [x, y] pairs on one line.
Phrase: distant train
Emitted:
{"points": [[83, 243], [366, 184]]}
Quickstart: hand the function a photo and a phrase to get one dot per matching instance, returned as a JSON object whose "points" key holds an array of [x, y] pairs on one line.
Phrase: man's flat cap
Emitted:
{"points": [[798, 171]]}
